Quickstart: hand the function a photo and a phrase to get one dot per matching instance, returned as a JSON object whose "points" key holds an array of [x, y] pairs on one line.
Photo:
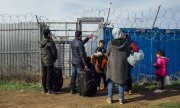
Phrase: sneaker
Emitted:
{"points": [[157, 91], [130, 92], [121, 102], [109, 101]]}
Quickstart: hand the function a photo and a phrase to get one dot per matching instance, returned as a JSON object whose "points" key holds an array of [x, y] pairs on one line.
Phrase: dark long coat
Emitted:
{"points": [[117, 67]]}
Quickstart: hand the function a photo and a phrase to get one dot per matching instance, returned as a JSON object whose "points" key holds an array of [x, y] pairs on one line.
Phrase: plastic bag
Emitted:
{"points": [[136, 57], [131, 60], [167, 80], [139, 55], [98, 54]]}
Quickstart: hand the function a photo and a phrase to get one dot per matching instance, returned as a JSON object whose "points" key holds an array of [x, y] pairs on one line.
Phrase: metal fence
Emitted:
{"points": [[150, 41], [20, 36], [64, 33], [64, 57], [19, 51]]}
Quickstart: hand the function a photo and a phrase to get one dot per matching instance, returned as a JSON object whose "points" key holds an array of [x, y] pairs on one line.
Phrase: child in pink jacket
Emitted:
{"points": [[161, 69]]}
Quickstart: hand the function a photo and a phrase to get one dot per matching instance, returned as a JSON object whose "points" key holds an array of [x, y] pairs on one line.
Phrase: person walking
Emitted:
{"points": [[161, 69]]}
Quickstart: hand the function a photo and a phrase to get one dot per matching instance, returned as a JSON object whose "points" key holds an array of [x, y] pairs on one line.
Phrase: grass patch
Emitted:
{"points": [[144, 86], [174, 85], [153, 85], [17, 85], [139, 86], [10, 85], [170, 105]]}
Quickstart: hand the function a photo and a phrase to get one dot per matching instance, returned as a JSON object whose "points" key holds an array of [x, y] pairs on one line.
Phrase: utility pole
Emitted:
{"points": [[109, 9], [154, 24], [156, 16]]}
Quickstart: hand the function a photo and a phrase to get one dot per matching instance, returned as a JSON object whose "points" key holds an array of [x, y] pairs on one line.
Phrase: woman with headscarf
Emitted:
{"points": [[117, 51]]}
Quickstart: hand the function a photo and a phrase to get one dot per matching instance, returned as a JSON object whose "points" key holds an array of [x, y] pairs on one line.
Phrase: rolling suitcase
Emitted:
{"points": [[57, 81], [87, 85]]}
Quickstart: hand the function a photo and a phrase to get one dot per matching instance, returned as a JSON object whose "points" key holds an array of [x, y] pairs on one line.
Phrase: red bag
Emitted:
{"points": [[135, 47]]}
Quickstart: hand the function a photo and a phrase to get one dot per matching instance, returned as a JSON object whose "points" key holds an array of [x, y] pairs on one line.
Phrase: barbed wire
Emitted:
{"points": [[118, 17], [149, 34], [126, 18]]}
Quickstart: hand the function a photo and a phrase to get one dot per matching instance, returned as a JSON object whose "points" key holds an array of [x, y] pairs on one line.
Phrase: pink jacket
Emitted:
{"points": [[161, 66]]}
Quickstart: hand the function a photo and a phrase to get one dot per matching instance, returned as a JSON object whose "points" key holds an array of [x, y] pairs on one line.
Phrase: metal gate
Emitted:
{"points": [[20, 47]]}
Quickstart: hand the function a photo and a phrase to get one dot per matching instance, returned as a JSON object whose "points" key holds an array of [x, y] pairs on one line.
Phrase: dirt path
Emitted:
{"points": [[35, 99]]}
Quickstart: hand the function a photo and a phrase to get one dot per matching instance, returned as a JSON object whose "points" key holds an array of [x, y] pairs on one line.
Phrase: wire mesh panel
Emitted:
{"points": [[19, 51], [64, 57]]}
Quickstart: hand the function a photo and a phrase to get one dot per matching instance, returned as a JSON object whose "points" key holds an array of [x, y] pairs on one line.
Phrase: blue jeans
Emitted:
{"points": [[75, 71], [111, 87]]}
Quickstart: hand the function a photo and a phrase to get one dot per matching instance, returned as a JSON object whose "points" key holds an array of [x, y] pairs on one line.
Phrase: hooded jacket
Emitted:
{"points": [[161, 66], [48, 52], [117, 67]]}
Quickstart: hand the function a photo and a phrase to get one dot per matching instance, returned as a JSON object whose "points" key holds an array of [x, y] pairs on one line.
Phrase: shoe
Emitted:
{"points": [[130, 92], [121, 102], [109, 101], [98, 88], [73, 92], [157, 91], [51, 92]]}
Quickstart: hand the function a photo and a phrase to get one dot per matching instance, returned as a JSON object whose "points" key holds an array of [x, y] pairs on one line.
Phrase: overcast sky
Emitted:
{"points": [[53, 9]]}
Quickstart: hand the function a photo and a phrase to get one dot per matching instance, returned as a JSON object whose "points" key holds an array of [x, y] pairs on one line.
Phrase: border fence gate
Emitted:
{"points": [[20, 47]]}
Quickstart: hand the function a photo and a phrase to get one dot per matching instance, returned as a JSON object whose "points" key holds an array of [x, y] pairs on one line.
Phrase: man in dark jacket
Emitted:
{"points": [[78, 57], [48, 57], [117, 67]]}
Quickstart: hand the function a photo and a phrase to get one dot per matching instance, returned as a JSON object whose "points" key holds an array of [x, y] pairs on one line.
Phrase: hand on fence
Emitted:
{"points": [[90, 36]]}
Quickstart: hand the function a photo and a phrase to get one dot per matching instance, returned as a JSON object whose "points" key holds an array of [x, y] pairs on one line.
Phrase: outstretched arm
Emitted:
{"points": [[82, 54], [87, 38]]}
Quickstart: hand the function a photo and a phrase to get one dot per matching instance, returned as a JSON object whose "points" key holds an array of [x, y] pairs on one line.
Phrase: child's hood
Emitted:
{"points": [[165, 59]]}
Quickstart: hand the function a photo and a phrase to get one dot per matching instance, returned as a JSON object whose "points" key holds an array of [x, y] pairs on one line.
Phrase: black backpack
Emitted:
{"points": [[87, 85], [57, 81]]}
